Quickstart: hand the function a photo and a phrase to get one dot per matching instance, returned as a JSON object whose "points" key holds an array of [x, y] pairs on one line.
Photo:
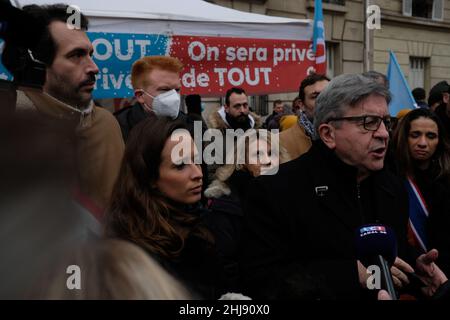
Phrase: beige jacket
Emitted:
{"points": [[295, 141], [99, 145]]}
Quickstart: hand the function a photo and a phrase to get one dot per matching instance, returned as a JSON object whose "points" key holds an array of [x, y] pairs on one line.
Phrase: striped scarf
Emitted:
{"points": [[306, 124]]}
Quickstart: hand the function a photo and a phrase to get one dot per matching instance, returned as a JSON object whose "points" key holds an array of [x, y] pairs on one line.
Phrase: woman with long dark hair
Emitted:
{"points": [[423, 159], [155, 204]]}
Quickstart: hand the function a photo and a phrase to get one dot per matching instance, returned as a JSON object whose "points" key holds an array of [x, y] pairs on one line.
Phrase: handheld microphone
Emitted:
{"points": [[376, 245]]}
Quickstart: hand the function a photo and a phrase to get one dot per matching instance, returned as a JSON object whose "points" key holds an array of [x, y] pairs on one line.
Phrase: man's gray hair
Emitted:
{"points": [[378, 77], [342, 93]]}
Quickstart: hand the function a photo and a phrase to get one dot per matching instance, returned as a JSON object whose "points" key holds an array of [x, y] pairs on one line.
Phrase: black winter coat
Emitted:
{"points": [[200, 265], [129, 117], [437, 198], [298, 240], [225, 220]]}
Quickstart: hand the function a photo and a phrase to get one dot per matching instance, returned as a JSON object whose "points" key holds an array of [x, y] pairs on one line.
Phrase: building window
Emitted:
{"points": [[417, 68], [438, 10], [340, 2], [331, 71], [422, 8], [428, 9], [260, 104]]}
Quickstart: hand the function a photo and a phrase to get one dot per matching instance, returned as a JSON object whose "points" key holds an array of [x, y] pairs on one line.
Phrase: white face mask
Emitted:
{"points": [[166, 104]]}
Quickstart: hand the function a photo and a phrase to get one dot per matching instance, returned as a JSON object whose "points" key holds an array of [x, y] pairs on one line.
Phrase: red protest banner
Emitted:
{"points": [[260, 66]]}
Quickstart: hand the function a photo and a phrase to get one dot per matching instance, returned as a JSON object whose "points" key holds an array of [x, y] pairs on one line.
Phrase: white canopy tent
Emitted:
{"points": [[219, 47], [189, 10], [184, 17]]}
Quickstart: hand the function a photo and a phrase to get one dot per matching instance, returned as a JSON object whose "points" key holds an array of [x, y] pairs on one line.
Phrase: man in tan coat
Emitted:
{"points": [[66, 97], [297, 139]]}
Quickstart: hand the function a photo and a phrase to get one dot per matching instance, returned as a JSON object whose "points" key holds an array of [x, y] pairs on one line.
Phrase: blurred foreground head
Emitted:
{"points": [[109, 269], [43, 230], [38, 218]]}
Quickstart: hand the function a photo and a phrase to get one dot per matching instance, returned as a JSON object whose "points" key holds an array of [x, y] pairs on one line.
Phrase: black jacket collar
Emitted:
{"points": [[137, 114], [335, 186], [346, 173]]}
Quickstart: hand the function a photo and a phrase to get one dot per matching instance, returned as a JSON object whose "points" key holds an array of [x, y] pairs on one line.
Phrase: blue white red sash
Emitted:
{"points": [[418, 215]]}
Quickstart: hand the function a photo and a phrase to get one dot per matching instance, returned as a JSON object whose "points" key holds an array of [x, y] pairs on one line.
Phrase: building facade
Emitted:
{"points": [[418, 31]]}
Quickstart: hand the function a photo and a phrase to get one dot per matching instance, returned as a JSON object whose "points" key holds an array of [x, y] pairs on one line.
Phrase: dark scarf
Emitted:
{"points": [[196, 209]]}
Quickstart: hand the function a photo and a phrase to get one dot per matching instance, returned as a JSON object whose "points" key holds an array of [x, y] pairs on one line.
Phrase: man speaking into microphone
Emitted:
{"points": [[300, 224]]}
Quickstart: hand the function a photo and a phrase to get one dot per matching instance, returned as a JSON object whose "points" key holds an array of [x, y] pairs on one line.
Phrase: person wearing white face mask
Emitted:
{"points": [[156, 83], [166, 104]]}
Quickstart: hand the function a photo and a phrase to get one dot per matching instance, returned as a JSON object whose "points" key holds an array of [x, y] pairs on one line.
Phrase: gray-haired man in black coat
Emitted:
{"points": [[299, 236]]}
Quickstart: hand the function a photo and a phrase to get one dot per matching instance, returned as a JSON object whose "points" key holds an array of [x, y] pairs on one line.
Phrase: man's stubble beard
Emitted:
{"points": [[57, 87]]}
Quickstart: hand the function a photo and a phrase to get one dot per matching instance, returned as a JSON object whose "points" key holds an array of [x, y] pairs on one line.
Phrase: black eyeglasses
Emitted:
{"points": [[370, 123]]}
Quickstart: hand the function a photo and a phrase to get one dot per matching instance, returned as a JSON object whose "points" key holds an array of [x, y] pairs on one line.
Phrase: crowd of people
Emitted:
{"points": [[274, 217]]}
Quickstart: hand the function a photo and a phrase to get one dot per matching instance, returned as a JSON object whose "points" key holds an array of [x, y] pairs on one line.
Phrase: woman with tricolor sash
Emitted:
{"points": [[422, 156]]}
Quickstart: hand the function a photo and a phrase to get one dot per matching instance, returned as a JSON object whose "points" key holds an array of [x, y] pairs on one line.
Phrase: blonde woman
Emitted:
{"points": [[256, 152]]}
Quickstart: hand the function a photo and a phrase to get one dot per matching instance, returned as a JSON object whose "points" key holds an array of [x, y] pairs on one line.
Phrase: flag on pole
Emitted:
{"points": [[319, 38], [402, 97]]}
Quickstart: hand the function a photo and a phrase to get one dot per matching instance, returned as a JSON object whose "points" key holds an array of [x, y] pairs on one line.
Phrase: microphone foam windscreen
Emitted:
{"points": [[373, 240]]}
